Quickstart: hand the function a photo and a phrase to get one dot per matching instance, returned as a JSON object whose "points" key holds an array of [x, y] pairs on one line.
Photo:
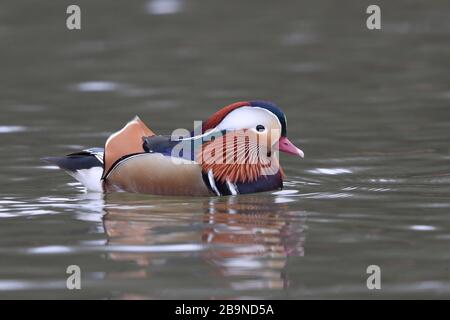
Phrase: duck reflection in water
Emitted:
{"points": [[246, 239]]}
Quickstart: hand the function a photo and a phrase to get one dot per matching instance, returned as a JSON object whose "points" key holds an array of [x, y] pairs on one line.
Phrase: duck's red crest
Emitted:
{"points": [[217, 117]]}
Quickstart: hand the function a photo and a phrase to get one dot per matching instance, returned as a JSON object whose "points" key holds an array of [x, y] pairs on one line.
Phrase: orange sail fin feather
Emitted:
{"points": [[124, 142], [238, 156]]}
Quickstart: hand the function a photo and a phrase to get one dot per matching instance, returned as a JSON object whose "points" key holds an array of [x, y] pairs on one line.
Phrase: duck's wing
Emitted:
{"points": [[137, 160]]}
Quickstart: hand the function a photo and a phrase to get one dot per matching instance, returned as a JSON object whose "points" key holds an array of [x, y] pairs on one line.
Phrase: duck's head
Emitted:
{"points": [[263, 118]]}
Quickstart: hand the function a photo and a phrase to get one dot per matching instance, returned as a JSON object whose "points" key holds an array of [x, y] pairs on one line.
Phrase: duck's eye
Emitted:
{"points": [[260, 128]]}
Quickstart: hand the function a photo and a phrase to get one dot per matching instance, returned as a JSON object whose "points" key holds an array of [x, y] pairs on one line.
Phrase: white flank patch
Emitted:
{"points": [[90, 178]]}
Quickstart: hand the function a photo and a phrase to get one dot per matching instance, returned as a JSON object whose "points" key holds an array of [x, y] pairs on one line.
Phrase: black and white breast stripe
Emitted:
{"points": [[219, 188]]}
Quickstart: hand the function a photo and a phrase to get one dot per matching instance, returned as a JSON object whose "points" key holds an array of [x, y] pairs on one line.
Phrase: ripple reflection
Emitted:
{"points": [[246, 240]]}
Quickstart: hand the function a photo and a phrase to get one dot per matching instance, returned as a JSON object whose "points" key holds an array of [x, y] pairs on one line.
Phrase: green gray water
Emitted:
{"points": [[369, 108]]}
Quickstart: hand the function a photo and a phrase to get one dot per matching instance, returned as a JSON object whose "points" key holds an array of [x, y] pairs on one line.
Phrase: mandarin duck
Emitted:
{"points": [[234, 152]]}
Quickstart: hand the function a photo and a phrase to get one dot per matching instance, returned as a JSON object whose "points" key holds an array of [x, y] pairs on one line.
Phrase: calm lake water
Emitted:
{"points": [[369, 108]]}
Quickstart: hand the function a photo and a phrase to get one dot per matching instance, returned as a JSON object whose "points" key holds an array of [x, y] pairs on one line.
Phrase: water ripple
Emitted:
{"points": [[12, 129], [330, 171], [97, 86], [163, 7]]}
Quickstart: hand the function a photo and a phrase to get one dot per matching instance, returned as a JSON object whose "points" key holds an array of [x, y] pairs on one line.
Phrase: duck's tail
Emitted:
{"points": [[91, 166], [85, 166]]}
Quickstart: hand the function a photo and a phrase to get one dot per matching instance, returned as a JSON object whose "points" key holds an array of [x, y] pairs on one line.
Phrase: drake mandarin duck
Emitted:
{"points": [[234, 152]]}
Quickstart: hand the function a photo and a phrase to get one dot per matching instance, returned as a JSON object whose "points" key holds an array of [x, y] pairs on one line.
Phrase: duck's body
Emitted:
{"points": [[223, 159]]}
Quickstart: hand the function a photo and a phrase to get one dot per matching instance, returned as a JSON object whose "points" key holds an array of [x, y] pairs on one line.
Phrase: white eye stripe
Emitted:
{"points": [[249, 117], [273, 116]]}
